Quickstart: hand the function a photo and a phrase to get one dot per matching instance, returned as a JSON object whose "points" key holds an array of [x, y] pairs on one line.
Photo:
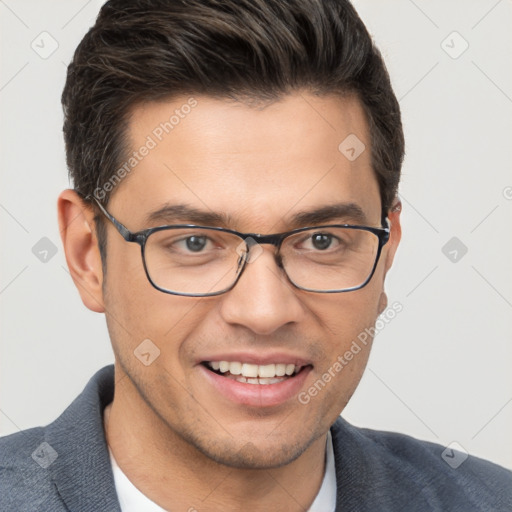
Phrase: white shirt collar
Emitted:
{"points": [[132, 500], [325, 500]]}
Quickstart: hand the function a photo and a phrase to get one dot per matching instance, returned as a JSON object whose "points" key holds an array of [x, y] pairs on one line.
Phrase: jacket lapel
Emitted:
{"points": [[82, 472]]}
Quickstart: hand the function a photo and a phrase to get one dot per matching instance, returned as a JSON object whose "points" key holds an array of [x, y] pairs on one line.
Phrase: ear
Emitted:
{"points": [[77, 230], [395, 234]]}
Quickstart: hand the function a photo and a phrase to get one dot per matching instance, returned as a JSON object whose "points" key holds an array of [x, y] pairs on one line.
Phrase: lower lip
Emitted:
{"points": [[257, 395]]}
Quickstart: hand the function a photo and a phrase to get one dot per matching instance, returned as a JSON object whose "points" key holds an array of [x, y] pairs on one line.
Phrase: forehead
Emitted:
{"points": [[255, 164]]}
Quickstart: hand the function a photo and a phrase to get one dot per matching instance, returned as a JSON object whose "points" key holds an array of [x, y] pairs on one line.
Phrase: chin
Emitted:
{"points": [[251, 454]]}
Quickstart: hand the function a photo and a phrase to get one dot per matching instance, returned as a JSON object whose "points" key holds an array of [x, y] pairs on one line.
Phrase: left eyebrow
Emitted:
{"points": [[344, 212]]}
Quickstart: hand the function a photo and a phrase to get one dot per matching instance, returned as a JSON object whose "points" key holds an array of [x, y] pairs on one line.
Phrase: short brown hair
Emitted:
{"points": [[145, 50]]}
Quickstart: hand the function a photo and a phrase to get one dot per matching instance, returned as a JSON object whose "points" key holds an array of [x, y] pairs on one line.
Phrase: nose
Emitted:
{"points": [[263, 299]]}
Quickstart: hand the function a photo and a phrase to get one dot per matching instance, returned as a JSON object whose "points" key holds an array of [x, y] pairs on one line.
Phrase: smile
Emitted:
{"points": [[248, 373]]}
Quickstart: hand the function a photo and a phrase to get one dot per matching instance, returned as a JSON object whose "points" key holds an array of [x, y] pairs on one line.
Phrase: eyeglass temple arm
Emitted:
{"points": [[123, 230]]}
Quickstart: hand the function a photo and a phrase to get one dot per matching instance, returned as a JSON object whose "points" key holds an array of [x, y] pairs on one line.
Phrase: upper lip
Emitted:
{"points": [[258, 358]]}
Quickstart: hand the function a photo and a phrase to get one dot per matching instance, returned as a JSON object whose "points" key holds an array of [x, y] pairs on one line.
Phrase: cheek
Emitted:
{"points": [[135, 310], [346, 315], [347, 327]]}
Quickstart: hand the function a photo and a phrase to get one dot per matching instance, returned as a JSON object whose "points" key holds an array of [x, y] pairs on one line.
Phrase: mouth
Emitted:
{"points": [[249, 373]]}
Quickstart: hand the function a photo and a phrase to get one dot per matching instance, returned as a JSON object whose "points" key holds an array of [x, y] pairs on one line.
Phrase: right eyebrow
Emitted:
{"points": [[182, 213]]}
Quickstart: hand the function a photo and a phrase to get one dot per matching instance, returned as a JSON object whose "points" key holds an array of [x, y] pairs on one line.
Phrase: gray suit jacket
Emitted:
{"points": [[65, 467]]}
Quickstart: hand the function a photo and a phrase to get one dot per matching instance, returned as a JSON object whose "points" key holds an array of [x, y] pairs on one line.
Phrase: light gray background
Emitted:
{"points": [[441, 369]]}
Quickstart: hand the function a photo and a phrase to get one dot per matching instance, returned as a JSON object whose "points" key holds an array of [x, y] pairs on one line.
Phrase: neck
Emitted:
{"points": [[176, 476]]}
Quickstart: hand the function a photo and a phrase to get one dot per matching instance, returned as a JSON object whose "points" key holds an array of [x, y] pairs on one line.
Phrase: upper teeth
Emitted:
{"points": [[254, 370]]}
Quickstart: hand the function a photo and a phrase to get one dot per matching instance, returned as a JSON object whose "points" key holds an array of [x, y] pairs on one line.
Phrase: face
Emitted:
{"points": [[258, 168]]}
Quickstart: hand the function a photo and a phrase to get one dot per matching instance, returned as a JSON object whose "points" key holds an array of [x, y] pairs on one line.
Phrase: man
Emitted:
{"points": [[234, 216]]}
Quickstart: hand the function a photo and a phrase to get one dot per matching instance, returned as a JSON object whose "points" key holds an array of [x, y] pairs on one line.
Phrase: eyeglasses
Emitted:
{"points": [[203, 261]]}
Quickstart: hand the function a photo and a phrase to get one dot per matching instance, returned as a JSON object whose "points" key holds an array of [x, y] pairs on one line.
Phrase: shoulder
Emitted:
{"points": [[64, 462], [406, 468], [18, 452], [24, 479]]}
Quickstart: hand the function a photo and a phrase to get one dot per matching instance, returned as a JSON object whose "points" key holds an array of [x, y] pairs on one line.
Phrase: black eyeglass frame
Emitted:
{"points": [[277, 239]]}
